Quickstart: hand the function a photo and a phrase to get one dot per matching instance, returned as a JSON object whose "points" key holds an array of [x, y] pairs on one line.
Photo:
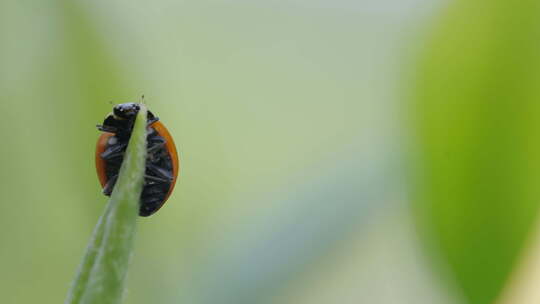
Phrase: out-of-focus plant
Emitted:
{"points": [[475, 113]]}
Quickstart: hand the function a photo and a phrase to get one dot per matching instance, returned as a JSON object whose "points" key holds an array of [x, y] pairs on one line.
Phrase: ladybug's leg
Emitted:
{"points": [[151, 121], [106, 128], [114, 151], [156, 179], [108, 189], [109, 124], [160, 172], [111, 156], [156, 146]]}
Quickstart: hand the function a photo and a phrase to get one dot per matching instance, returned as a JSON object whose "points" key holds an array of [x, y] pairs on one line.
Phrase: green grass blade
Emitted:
{"points": [[102, 273]]}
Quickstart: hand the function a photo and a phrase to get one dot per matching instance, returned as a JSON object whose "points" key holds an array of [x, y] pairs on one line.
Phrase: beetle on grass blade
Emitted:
{"points": [[162, 159]]}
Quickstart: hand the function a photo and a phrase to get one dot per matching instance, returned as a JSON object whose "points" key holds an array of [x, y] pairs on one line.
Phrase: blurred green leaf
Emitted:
{"points": [[101, 277], [476, 115]]}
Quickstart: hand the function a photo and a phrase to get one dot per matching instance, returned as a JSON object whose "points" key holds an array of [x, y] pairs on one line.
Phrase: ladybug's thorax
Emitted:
{"points": [[121, 120], [126, 110]]}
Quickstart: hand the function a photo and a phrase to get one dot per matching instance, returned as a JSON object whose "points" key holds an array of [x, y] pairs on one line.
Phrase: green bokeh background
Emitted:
{"points": [[306, 129]]}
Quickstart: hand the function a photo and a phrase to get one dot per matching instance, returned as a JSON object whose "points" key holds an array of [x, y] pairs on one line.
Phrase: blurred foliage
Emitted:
{"points": [[476, 113]]}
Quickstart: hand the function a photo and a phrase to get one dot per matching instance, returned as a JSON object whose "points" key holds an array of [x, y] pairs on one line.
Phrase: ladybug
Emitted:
{"points": [[162, 159]]}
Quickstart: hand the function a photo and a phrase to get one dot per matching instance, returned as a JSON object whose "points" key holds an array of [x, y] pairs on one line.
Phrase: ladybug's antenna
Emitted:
{"points": [[111, 103], [142, 98]]}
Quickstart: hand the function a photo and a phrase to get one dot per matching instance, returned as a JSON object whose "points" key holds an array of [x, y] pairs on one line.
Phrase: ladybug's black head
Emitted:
{"points": [[121, 120], [126, 110]]}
